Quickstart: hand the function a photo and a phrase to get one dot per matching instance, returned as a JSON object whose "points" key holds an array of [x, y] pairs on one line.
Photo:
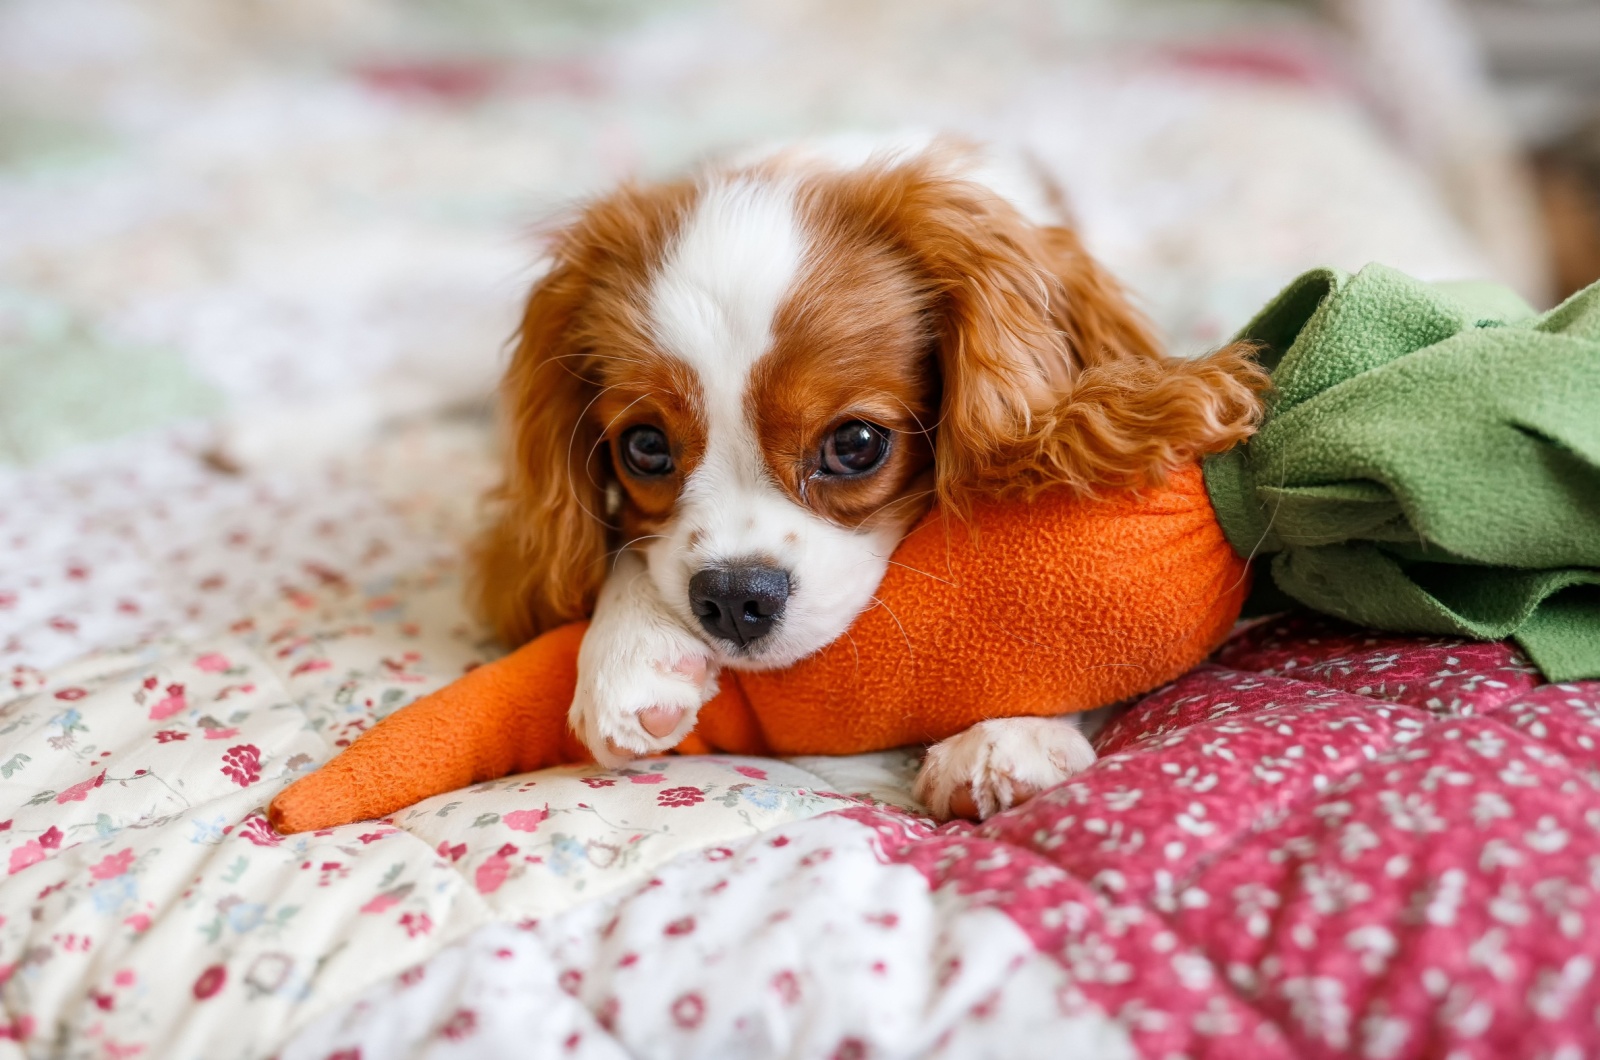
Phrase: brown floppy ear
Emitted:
{"points": [[541, 560], [1049, 374], [1131, 414]]}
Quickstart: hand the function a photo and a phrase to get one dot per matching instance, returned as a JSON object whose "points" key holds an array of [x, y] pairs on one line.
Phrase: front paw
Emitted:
{"points": [[997, 764], [639, 694]]}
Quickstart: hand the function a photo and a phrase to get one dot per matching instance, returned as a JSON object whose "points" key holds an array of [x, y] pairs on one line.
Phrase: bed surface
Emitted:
{"points": [[1323, 843]]}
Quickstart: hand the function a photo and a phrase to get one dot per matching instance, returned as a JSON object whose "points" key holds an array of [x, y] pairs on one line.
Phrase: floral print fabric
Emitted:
{"points": [[147, 908], [1326, 843]]}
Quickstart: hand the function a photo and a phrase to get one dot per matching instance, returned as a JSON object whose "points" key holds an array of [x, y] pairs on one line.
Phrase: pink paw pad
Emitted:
{"points": [[691, 666], [660, 721]]}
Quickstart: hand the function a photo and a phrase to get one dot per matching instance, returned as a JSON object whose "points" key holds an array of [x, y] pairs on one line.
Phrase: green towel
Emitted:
{"points": [[1429, 462]]}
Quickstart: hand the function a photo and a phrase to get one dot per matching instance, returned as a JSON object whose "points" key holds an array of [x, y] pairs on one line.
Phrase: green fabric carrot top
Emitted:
{"points": [[1430, 461]]}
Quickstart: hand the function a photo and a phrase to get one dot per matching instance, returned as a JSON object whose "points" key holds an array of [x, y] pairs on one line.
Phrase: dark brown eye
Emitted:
{"points": [[854, 448], [646, 452]]}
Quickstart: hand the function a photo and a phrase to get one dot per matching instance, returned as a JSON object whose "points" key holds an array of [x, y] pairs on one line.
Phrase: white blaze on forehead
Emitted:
{"points": [[712, 305], [724, 278]]}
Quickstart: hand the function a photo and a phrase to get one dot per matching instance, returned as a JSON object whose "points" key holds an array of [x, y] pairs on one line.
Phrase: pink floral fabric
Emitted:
{"points": [[1329, 843], [1325, 843]]}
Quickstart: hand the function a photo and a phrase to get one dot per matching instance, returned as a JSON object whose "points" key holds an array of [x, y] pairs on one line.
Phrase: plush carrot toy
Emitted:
{"points": [[1054, 606], [1429, 462]]}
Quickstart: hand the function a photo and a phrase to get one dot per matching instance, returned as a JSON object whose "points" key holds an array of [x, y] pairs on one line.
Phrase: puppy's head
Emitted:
{"points": [[760, 378]]}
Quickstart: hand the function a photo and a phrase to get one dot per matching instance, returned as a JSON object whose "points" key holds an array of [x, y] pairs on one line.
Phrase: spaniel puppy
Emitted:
{"points": [[734, 393]]}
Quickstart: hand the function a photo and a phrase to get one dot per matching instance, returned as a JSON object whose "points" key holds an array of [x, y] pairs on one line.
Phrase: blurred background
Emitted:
{"points": [[216, 216]]}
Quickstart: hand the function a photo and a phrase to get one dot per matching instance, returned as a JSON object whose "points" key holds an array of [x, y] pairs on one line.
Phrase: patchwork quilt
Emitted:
{"points": [[1322, 843]]}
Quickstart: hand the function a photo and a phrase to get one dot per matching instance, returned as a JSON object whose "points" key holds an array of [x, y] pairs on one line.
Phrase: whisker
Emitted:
{"points": [[1278, 504], [921, 427], [855, 648], [925, 574], [611, 423], [903, 499], [572, 487], [897, 622]]}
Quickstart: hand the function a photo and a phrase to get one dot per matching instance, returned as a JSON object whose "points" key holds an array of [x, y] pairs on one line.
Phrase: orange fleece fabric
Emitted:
{"points": [[1053, 606]]}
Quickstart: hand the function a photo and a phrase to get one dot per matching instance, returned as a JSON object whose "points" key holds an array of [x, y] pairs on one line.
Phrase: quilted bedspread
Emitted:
{"points": [[1323, 843]]}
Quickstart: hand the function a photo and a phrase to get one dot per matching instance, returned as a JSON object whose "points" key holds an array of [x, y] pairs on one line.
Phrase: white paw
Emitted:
{"points": [[996, 764], [639, 689]]}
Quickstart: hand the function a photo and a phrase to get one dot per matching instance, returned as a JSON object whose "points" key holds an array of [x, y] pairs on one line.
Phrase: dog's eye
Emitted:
{"points": [[854, 448], [646, 452]]}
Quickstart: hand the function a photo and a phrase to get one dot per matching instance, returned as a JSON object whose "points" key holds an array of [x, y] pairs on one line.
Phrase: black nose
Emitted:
{"points": [[739, 603]]}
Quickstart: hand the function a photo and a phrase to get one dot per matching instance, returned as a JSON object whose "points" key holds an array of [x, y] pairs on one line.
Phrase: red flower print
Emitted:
{"points": [[416, 923], [258, 831], [211, 980], [29, 853], [461, 1024], [751, 771], [787, 985], [70, 694], [7, 601], [607, 1016], [525, 820], [569, 981], [680, 797], [18, 1030], [112, 865], [63, 625], [598, 782], [492, 873], [51, 840], [454, 853], [648, 778], [413, 975], [212, 663], [381, 902], [80, 791], [170, 735], [5, 826], [851, 1049], [688, 1011], [174, 703], [682, 926], [150, 683], [242, 764]]}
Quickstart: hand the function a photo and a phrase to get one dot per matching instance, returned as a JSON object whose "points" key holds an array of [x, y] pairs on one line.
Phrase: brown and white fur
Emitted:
{"points": [[734, 322]]}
